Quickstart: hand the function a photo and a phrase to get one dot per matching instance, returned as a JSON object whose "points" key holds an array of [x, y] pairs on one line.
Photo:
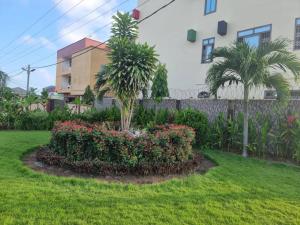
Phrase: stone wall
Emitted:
{"points": [[165, 104], [211, 107], [214, 107]]}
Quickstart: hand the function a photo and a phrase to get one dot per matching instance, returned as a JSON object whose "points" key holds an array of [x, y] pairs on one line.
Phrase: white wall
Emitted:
{"points": [[167, 30]]}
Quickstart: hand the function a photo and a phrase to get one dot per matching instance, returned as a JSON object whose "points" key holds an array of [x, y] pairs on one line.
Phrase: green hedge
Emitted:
{"points": [[78, 141]]}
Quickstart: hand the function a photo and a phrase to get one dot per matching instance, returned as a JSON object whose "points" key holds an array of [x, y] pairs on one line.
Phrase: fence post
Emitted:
{"points": [[178, 104], [230, 109]]}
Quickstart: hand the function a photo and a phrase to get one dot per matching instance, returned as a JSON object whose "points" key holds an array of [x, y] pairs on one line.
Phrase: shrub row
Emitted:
{"points": [[40, 120], [97, 167], [143, 118], [77, 141]]}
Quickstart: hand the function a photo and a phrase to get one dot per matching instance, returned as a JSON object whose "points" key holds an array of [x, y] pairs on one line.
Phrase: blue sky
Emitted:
{"points": [[38, 45]]}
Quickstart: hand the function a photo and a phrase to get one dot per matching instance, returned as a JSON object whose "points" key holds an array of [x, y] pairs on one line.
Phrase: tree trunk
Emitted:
{"points": [[245, 131]]}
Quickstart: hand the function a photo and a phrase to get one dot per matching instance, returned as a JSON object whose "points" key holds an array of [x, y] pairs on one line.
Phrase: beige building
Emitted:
{"points": [[186, 32], [78, 65]]}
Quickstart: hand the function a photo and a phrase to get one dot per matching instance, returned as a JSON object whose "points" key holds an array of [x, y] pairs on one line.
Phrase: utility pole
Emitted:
{"points": [[28, 70]]}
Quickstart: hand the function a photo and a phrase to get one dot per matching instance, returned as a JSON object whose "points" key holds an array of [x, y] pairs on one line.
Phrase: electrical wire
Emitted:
{"points": [[63, 35], [46, 26], [95, 31], [103, 43], [30, 26]]}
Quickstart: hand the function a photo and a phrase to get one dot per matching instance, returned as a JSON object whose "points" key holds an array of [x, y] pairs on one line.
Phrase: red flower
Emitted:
{"points": [[291, 119]]}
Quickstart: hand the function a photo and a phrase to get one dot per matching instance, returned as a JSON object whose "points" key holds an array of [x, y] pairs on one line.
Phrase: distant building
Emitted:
{"points": [[19, 91], [78, 65], [186, 32], [50, 89]]}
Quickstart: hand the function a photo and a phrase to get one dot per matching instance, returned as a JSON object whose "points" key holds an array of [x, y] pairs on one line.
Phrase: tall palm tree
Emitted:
{"points": [[130, 69], [262, 66]]}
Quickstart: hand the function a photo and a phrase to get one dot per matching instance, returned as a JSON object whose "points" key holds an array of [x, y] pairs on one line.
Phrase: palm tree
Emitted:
{"points": [[262, 66], [130, 69]]}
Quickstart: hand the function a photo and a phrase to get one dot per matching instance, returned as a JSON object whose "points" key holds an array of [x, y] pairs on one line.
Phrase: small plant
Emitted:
{"points": [[88, 96], [217, 132], [44, 98], [159, 88]]}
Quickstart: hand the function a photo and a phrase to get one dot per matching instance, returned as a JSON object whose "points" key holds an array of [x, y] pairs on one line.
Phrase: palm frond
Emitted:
{"points": [[280, 84], [278, 45], [284, 61]]}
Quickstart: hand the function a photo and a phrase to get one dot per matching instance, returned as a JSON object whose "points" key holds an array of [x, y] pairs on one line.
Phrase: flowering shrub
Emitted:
{"points": [[78, 142]]}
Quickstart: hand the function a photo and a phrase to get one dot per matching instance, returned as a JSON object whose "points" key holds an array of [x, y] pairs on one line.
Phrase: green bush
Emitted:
{"points": [[60, 114], [164, 116], [217, 133], [195, 119], [36, 120], [93, 116], [142, 117], [148, 117]]}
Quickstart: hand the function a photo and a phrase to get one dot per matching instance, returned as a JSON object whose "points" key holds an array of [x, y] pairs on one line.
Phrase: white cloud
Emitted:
{"points": [[29, 40], [90, 23], [38, 79]]}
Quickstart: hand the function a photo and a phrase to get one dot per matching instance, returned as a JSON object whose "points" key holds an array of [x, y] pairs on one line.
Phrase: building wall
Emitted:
{"points": [[167, 30], [81, 72], [98, 58], [85, 65]]}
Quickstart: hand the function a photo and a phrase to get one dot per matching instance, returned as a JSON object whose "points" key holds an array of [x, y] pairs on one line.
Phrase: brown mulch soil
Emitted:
{"points": [[31, 161]]}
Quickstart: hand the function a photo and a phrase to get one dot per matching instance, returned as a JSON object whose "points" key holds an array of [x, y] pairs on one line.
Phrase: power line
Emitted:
{"points": [[30, 26], [17, 74], [94, 47], [60, 37], [45, 27], [95, 31]]}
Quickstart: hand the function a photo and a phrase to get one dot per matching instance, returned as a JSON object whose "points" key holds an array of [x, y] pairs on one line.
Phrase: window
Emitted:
{"points": [[297, 34], [66, 65], [207, 49], [272, 94], [256, 36], [210, 6]]}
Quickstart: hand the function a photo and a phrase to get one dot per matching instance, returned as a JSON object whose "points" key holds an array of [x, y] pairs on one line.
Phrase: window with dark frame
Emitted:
{"points": [[272, 94], [207, 50], [297, 34], [256, 36], [210, 6]]}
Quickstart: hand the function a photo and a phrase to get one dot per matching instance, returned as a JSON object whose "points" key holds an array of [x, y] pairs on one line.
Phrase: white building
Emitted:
{"points": [[187, 60]]}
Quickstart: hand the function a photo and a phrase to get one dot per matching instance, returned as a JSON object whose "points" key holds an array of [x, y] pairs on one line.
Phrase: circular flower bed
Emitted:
{"points": [[88, 148]]}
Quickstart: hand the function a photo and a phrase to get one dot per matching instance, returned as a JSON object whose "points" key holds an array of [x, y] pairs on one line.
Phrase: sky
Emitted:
{"points": [[22, 41]]}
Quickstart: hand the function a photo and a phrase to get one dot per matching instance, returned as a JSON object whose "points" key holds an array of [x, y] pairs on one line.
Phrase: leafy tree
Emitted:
{"points": [[159, 88], [88, 96], [30, 99], [3, 79], [253, 67], [130, 69], [3, 82], [124, 26]]}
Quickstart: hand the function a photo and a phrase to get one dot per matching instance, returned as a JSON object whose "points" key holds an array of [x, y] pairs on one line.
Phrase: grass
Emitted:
{"points": [[238, 191]]}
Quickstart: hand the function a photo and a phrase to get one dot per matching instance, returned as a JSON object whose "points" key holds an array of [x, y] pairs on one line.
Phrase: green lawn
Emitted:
{"points": [[238, 191]]}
